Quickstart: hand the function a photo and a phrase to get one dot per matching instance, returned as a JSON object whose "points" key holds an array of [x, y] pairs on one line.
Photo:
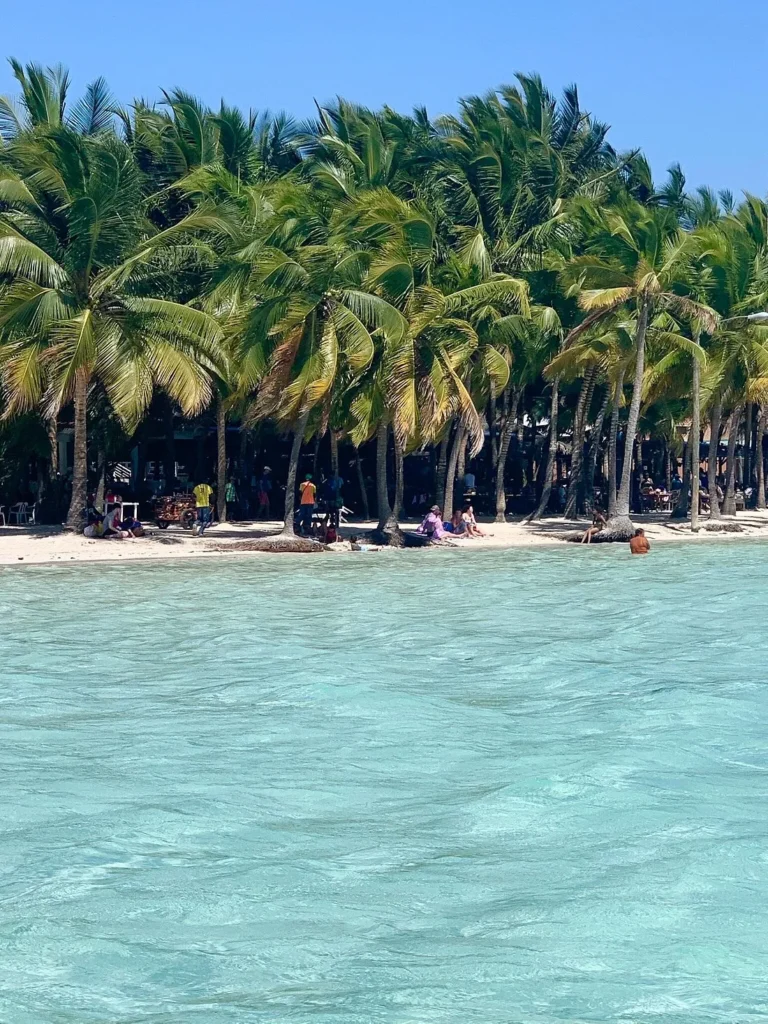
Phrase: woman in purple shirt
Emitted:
{"points": [[432, 526]]}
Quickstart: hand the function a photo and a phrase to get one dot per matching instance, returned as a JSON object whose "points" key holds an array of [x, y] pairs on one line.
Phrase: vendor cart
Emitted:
{"points": [[175, 508]]}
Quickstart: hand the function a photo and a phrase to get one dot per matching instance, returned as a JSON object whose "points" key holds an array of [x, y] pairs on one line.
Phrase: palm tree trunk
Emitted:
{"points": [[334, 452], [442, 465], [612, 444], [290, 484], [101, 486], [748, 460], [622, 498], [762, 419], [572, 509], [361, 485], [397, 508], [388, 531], [681, 509], [75, 519], [667, 458], [384, 509], [52, 428], [461, 465], [221, 461], [505, 440], [244, 457], [539, 511], [450, 475], [594, 447], [695, 443], [491, 424], [714, 443], [734, 425], [169, 449]]}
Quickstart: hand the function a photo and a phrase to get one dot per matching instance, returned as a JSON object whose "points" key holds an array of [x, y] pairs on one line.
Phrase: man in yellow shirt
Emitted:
{"points": [[202, 494], [307, 490]]}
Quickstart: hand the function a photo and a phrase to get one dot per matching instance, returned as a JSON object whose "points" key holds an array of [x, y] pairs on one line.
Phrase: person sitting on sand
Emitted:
{"points": [[90, 513], [598, 523], [94, 520], [113, 527], [132, 526], [432, 526], [468, 517], [639, 545], [459, 527]]}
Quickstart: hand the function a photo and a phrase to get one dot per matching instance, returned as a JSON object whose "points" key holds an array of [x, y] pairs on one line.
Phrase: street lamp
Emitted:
{"points": [[754, 318]]}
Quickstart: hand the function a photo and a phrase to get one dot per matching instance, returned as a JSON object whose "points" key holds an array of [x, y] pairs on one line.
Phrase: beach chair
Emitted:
{"points": [[2, 515], [23, 512]]}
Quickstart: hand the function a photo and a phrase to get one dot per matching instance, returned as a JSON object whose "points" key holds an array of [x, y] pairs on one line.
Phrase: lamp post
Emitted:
{"points": [[753, 318]]}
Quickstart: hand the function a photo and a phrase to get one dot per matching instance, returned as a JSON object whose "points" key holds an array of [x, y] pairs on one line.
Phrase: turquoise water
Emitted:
{"points": [[484, 787]]}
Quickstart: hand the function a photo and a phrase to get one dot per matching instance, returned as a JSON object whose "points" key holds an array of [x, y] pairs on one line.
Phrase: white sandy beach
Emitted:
{"points": [[47, 544]]}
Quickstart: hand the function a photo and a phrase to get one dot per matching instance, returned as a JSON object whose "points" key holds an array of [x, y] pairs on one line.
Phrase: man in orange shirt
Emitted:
{"points": [[639, 544], [307, 491]]}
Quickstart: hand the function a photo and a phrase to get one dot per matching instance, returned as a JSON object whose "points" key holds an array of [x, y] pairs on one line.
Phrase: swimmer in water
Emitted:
{"points": [[639, 544]]}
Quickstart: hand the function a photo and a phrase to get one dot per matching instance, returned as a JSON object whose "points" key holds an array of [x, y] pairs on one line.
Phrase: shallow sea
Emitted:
{"points": [[517, 787]]}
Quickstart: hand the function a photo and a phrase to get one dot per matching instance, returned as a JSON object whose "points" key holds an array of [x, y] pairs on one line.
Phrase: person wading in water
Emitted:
{"points": [[639, 544]]}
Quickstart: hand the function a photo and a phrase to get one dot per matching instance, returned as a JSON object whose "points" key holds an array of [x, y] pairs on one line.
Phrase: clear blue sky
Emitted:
{"points": [[683, 79]]}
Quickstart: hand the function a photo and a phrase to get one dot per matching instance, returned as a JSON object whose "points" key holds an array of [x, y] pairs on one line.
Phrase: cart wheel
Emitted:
{"points": [[188, 519], [163, 524]]}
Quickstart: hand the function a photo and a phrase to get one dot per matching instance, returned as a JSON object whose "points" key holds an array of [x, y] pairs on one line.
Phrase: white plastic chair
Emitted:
{"points": [[23, 512], [2, 515]]}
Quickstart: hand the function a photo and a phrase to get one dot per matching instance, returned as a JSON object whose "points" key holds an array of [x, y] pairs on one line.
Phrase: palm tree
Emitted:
{"points": [[633, 256], [43, 103], [736, 270], [603, 351], [72, 245], [310, 328]]}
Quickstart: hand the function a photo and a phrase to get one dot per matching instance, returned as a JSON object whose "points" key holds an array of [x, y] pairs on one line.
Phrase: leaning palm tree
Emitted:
{"points": [[311, 323], [73, 243], [635, 256]]}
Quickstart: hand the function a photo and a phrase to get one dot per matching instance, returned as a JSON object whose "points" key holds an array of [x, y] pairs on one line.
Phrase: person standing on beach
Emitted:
{"points": [[263, 489], [639, 544], [307, 504], [202, 494], [335, 497], [230, 496]]}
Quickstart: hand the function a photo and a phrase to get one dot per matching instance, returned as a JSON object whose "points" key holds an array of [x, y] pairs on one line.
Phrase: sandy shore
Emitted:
{"points": [[45, 544]]}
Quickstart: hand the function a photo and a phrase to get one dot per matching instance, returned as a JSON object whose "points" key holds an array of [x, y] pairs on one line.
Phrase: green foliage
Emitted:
{"points": [[367, 265]]}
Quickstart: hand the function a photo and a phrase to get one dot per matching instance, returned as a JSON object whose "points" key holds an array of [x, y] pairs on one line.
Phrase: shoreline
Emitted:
{"points": [[50, 545]]}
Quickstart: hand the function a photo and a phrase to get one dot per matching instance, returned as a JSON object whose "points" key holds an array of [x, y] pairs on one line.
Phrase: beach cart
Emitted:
{"points": [[175, 508]]}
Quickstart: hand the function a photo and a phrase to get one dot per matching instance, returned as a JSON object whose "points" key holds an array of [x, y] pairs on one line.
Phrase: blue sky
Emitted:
{"points": [[684, 80]]}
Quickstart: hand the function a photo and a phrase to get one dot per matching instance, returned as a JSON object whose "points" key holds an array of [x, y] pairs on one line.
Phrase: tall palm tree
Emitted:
{"points": [[735, 272], [312, 323], [634, 256], [73, 242]]}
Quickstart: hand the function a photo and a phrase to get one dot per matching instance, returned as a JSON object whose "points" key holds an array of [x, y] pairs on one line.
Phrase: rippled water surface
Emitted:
{"points": [[497, 787]]}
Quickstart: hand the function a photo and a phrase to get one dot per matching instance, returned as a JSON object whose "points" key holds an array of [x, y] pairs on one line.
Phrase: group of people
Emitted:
{"points": [[638, 544], [462, 524], [330, 496], [657, 498], [110, 525]]}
